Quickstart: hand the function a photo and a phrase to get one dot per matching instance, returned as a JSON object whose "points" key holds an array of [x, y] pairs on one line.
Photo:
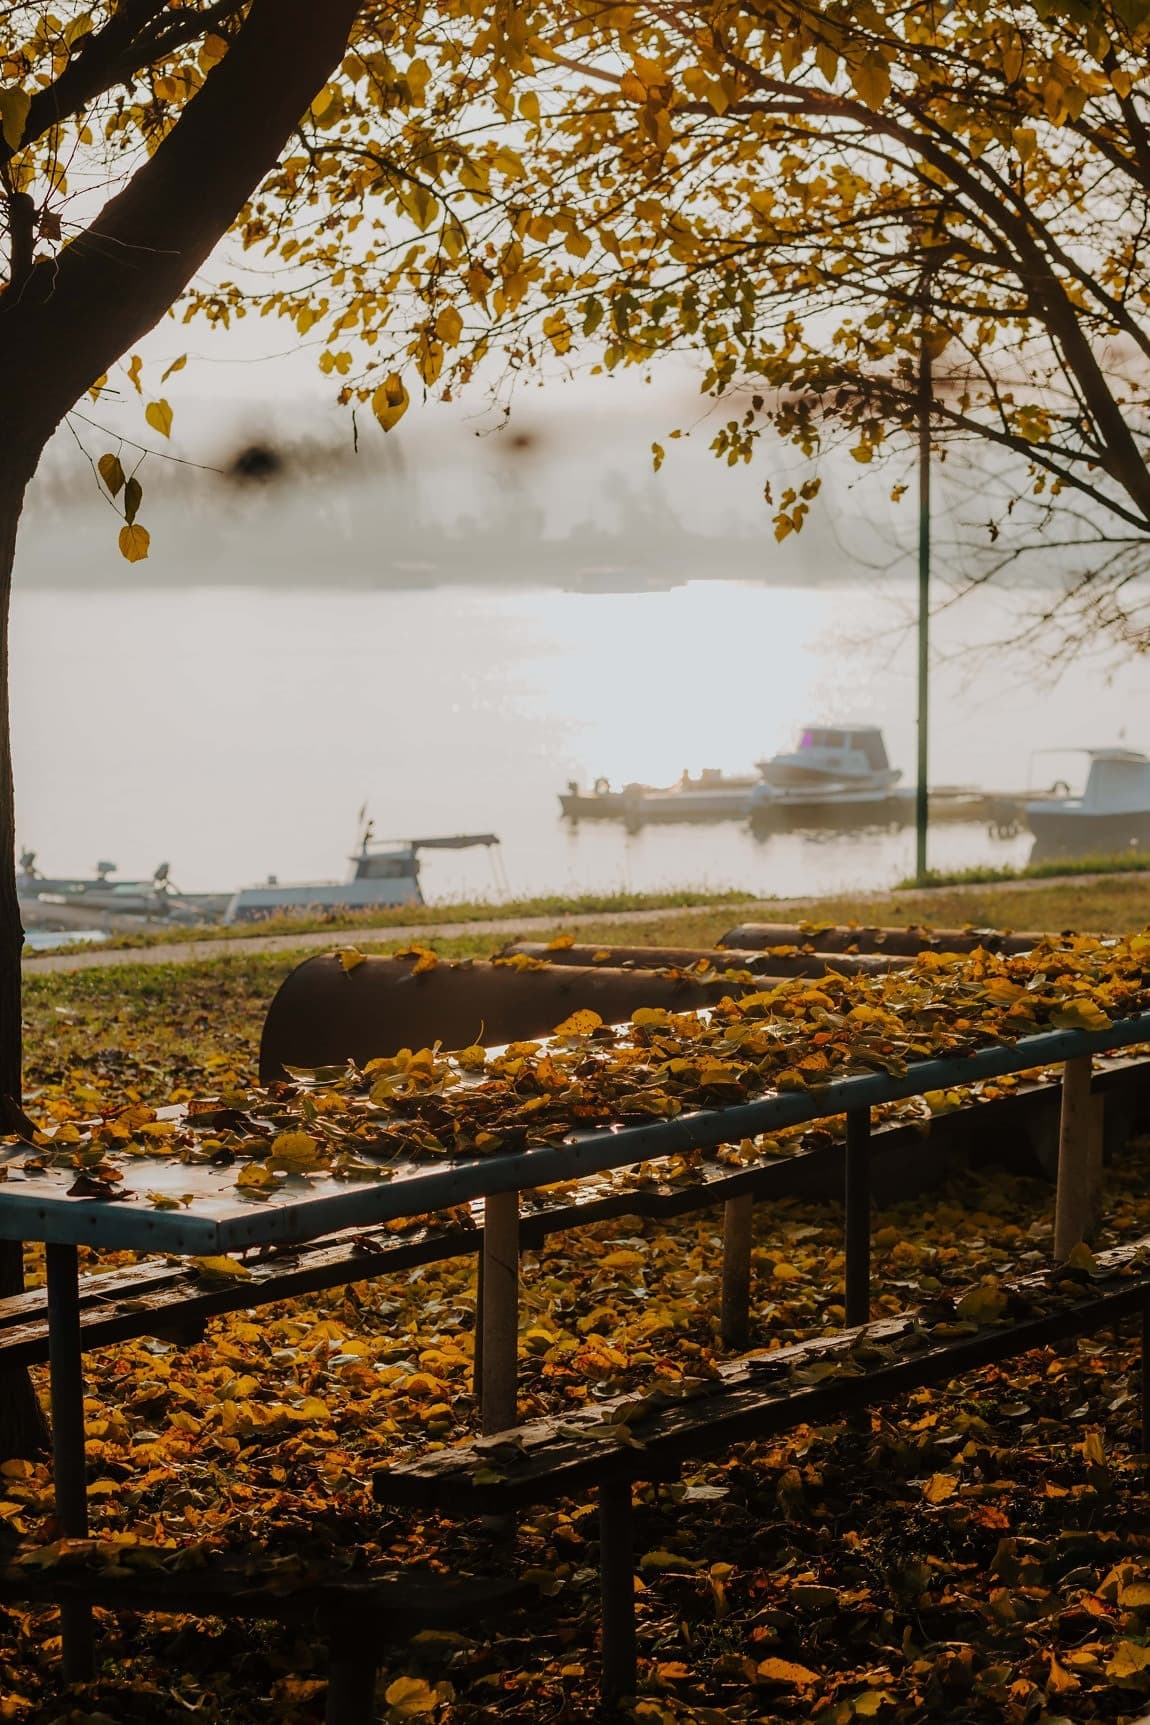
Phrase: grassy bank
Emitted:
{"points": [[413, 915], [1055, 868], [153, 1025]]}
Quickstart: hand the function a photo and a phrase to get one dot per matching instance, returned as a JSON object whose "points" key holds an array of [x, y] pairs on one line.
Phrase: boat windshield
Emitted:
{"points": [[819, 739], [870, 745]]}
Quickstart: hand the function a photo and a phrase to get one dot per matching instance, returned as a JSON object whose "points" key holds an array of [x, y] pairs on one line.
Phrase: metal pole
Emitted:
{"points": [[921, 800], [66, 1378]]}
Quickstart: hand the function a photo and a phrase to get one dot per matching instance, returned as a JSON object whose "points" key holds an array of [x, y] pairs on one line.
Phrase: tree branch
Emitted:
{"points": [[80, 311]]}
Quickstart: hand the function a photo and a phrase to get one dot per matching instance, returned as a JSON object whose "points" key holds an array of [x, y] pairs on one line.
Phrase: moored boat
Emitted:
{"points": [[835, 765], [1111, 815], [100, 901], [382, 873]]}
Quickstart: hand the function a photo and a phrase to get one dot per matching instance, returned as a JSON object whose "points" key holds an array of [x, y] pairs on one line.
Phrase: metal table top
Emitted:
{"points": [[218, 1218]]}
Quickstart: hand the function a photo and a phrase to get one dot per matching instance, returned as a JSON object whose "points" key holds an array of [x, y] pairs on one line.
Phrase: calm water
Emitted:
{"points": [[236, 732]]}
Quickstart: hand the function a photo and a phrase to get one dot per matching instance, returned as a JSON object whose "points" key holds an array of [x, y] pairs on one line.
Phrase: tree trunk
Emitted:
{"points": [[23, 1429], [70, 318]]}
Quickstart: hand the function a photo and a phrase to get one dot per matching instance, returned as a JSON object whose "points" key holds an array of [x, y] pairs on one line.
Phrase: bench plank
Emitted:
{"points": [[760, 1395]]}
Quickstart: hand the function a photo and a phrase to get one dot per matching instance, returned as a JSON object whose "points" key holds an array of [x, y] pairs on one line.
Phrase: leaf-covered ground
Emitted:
{"points": [[979, 1553]]}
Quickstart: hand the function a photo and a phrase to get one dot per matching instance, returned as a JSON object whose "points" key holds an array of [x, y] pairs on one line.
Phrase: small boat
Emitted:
{"points": [[712, 796], [384, 872], [102, 902], [1111, 815], [834, 765]]}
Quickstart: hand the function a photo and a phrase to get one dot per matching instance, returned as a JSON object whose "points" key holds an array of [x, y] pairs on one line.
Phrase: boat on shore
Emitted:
{"points": [[1111, 815], [383, 873], [101, 902]]}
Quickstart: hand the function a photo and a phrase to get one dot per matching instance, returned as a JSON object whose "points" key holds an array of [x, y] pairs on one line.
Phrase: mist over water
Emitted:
{"points": [[456, 628]]}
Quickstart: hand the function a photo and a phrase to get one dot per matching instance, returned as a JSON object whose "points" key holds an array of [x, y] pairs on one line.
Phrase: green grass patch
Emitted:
{"points": [[1055, 868], [413, 916]]}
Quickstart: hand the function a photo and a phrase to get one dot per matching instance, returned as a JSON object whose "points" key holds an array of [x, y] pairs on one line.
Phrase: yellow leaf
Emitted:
{"points": [[390, 401], [939, 1487], [221, 1269], [561, 943], [255, 1177], [296, 1152], [580, 1023], [449, 325], [870, 1701], [1093, 1450], [134, 542], [14, 105], [786, 1671], [1081, 1013], [982, 1305], [111, 473], [472, 1059], [622, 1260], [1060, 1680], [871, 79], [1129, 1660], [163, 1201], [350, 957], [134, 365], [159, 416], [176, 365], [212, 51], [632, 88], [409, 1696]]}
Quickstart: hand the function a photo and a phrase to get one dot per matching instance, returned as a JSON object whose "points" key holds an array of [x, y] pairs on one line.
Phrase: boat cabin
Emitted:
{"points": [[866, 740], [1118, 782]]}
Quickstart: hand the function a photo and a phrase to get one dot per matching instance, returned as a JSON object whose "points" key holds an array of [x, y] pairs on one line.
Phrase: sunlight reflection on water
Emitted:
{"points": [[235, 732]]}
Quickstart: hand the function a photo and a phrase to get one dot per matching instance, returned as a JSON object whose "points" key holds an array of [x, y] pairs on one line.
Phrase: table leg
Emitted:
{"points": [[1079, 1168], [499, 1315], [66, 1377], [735, 1306], [857, 1158]]}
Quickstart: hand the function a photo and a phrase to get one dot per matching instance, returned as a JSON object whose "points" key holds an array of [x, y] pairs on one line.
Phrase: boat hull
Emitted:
{"points": [[1066, 832]]}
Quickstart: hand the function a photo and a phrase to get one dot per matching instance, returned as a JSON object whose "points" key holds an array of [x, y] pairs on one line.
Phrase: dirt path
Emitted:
{"points": [[775, 910], [188, 952]]}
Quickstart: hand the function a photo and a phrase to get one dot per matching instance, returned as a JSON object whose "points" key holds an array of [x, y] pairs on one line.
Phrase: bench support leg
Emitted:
{"points": [[617, 1583], [66, 1376], [499, 1313], [857, 1195], [351, 1671], [1079, 1159], [738, 1218]]}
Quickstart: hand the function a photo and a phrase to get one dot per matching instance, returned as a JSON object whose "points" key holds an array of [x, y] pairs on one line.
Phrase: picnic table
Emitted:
{"points": [[215, 1218]]}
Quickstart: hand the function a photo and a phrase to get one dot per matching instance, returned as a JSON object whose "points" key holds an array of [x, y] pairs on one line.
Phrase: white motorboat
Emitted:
{"points": [[1111, 815], [382, 873], [832, 766]]}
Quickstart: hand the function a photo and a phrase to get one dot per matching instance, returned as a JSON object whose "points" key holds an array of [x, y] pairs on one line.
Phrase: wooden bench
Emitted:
{"points": [[608, 1446], [166, 1299], [356, 1614]]}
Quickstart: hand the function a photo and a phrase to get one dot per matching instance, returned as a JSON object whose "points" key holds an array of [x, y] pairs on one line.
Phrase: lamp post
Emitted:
{"points": [[922, 799]]}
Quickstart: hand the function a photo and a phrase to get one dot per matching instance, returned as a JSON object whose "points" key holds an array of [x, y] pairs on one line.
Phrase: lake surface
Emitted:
{"points": [[236, 732]]}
